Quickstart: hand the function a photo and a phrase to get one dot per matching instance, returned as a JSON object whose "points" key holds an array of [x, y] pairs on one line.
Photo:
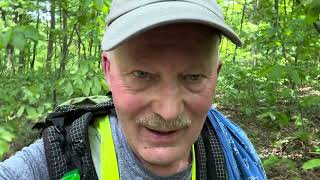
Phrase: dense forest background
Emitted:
{"points": [[50, 52]]}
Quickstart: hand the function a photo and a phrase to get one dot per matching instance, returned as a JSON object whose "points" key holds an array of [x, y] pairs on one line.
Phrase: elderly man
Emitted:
{"points": [[160, 60]]}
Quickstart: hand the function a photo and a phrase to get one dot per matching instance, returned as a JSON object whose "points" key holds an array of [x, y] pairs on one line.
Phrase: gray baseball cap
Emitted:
{"points": [[127, 18]]}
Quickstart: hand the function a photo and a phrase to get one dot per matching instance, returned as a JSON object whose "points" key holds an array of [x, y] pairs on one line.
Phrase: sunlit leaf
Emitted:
{"points": [[282, 118], [4, 39], [104, 85], [271, 161], [32, 113], [5, 135], [86, 90], [276, 72], [98, 4], [294, 76], [311, 164], [4, 147], [40, 110], [86, 3], [20, 111], [69, 89]]}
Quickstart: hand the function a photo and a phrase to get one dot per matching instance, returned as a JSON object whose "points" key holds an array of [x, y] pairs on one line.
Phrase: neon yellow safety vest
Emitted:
{"points": [[109, 164]]}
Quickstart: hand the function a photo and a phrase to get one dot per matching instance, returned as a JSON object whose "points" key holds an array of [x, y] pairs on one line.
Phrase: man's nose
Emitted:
{"points": [[169, 103]]}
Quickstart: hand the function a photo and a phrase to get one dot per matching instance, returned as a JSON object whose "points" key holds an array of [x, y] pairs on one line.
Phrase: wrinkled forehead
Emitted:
{"points": [[185, 38]]}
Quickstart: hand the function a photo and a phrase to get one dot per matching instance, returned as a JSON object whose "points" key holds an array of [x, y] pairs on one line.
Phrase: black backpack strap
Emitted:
{"points": [[210, 160], [66, 139], [201, 159]]}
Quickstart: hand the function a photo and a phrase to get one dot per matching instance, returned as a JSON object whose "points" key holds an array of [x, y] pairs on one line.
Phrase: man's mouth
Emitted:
{"points": [[162, 132]]}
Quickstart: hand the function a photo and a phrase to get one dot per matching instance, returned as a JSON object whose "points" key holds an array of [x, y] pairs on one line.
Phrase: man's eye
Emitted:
{"points": [[142, 75], [193, 77]]}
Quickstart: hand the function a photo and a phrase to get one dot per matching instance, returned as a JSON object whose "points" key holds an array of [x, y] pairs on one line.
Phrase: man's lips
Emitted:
{"points": [[161, 136], [162, 132]]}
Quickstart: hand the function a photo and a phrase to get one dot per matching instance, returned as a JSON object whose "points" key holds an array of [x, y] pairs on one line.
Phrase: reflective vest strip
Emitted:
{"points": [[193, 164], [108, 159]]}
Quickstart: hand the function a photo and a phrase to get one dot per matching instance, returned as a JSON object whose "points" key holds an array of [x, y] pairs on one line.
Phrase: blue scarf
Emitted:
{"points": [[241, 158]]}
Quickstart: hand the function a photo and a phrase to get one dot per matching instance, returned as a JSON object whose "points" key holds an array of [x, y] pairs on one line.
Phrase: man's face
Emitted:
{"points": [[163, 82]]}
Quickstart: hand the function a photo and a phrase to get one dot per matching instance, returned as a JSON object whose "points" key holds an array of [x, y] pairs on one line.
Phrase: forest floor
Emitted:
{"points": [[290, 153]]}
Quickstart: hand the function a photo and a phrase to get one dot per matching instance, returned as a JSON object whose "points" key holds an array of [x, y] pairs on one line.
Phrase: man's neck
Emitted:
{"points": [[168, 170]]}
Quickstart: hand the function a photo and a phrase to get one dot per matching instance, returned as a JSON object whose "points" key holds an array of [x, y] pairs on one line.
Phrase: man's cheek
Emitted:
{"points": [[125, 100], [200, 103]]}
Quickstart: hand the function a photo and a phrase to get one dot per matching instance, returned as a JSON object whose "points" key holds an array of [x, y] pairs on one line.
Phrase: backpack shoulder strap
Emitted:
{"points": [[66, 139]]}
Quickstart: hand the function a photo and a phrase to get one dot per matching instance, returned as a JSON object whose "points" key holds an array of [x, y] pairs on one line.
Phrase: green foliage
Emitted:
{"points": [[18, 36], [31, 84], [5, 138], [274, 162], [311, 164], [312, 11]]}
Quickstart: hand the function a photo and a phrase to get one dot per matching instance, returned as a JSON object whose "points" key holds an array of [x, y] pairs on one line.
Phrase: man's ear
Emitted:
{"points": [[105, 61]]}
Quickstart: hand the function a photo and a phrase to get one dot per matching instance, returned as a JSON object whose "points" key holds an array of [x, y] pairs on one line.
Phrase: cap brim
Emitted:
{"points": [[161, 13]]}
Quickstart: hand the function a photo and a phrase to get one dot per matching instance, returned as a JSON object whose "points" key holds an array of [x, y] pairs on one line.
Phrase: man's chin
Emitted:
{"points": [[162, 156]]}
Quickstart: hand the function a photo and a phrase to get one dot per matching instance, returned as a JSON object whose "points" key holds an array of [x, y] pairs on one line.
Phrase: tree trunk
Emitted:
{"points": [[91, 44], [22, 60], [241, 24], [317, 27], [65, 35], [81, 43], [10, 52], [276, 25], [254, 46], [51, 34], [34, 51], [3, 16]]}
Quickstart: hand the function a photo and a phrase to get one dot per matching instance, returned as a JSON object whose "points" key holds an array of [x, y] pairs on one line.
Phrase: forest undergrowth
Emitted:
{"points": [[282, 154]]}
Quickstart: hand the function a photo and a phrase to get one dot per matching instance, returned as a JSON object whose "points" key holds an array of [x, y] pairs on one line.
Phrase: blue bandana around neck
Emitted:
{"points": [[241, 158]]}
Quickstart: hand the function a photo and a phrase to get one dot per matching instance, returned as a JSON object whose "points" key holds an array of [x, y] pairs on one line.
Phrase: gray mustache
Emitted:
{"points": [[156, 122]]}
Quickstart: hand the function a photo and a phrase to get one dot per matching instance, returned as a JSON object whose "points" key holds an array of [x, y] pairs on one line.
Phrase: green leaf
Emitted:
{"points": [[69, 89], [86, 3], [303, 136], [268, 115], [5, 135], [5, 3], [283, 119], [298, 120], [271, 161], [84, 69], [86, 90], [20, 111], [18, 40], [31, 32], [4, 39], [294, 76], [311, 164], [97, 86], [40, 110], [32, 113], [104, 85], [4, 147], [98, 4], [312, 11], [276, 72]]}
